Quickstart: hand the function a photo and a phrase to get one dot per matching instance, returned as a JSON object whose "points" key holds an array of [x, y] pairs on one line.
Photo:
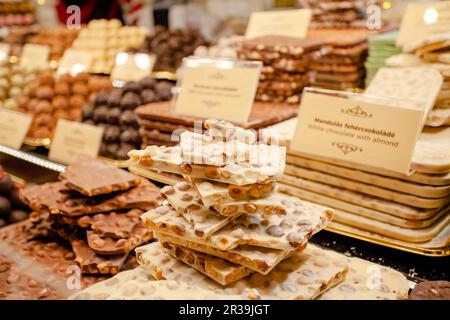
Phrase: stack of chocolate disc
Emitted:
{"points": [[226, 233], [332, 14], [341, 66], [95, 208], [285, 62]]}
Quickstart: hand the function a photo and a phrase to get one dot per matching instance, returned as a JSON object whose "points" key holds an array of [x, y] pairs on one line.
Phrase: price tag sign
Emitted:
{"points": [[34, 57], [357, 128], [5, 49], [291, 23], [75, 61], [132, 67], [13, 128], [422, 20], [217, 88], [74, 138]]}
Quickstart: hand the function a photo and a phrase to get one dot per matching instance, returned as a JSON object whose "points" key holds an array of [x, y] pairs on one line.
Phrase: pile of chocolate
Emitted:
{"points": [[49, 99], [333, 14], [57, 39], [171, 46], [115, 112], [285, 61], [95, 208], [13, 83], [12, 209], [342, 64], [104, 39], [16, 13], [18, 36]]}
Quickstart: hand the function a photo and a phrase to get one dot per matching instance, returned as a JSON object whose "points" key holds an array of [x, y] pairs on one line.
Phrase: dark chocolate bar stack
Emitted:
{"points": [[95, 208], [285, 61], [171, 46], [341, 66], [337, 14], [115, 112]]}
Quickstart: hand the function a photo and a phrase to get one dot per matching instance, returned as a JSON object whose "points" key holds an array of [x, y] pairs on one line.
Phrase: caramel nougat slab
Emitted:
{"points": [[170, 159], [259, 259], [284, 232], [305, 275]]}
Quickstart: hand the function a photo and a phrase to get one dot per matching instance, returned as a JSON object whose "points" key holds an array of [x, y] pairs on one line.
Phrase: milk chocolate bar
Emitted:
{"points": [[282, 44], [54, 198], [114, 224], [92, 263], [169, 159], [109, 246], [92, 177]]}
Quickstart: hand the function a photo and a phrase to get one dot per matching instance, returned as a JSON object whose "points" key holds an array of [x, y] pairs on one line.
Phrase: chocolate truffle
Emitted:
{"points": [[111, 134], [62, 88], [46, 79], [90, 122], [129, 136], [128, 117], [77, 101], [2, 223], [60, 102], [80, 88], [5, 207], [87, 111], [101, 98], [43, 120], [100, 113], [43, 106], [115, 98], [17, 215], [163, 90], [131, 101], [122, 153], [112, 148], [6, 185], [132, 86], [114, 115], [44, 93], [148, 83], [148, 96], [82, 76]]}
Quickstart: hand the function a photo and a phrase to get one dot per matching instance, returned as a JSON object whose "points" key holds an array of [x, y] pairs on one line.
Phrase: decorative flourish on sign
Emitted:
{"points": [[347, 148], [217, 76], [357, 112], [210, 103]]}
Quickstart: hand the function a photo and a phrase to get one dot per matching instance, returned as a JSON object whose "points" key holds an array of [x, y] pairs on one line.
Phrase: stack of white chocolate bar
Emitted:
{"points": [[225, 232], [408, 212]]}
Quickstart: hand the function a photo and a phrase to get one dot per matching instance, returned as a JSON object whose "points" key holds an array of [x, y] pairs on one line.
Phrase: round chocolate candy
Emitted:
{"points": [[80, 88], [114, 115], [132, 86], [2, 224], [128, 118], [147, 83], [111, 149], [101, 98], [90, 122], [115, 99], [44, 93], [163, 90], [148, 96], [5, 207], [43, 106], [111, 134], [87, 111], [122, 153], [131, 100], [62, 88], [100, 113], [17, 215], [6, 185], [129, 136]]}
